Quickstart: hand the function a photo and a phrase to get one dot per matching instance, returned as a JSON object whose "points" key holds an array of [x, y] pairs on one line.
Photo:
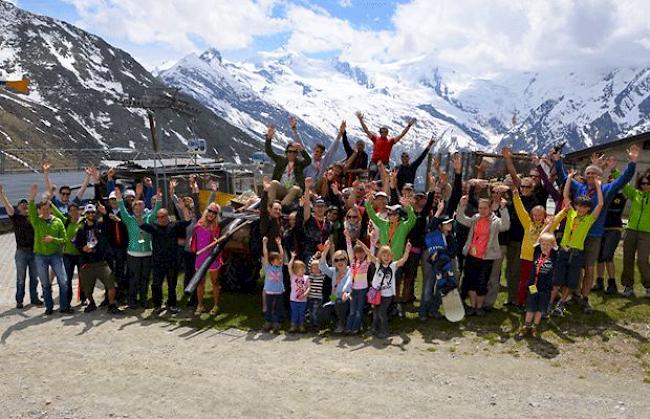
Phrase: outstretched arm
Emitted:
{"points": [[369, 254], [364, 127], [5, 202], [601, 200], [417, 162], [265, 250], [405, 130], [405, 256], [270, 132], [84, 185]]}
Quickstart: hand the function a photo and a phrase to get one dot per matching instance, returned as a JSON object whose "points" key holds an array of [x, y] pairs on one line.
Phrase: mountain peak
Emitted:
{"points": [[211, 55]]}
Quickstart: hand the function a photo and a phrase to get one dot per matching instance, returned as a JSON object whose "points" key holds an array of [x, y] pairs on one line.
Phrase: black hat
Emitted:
{"points": [[445, 219]]}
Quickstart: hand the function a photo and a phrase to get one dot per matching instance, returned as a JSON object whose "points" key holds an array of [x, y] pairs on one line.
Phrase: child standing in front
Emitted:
{"points": [[539, 283], [384, 282], [571, 255], [359, 274], [273, 285], [299, 292], [315, 296]]}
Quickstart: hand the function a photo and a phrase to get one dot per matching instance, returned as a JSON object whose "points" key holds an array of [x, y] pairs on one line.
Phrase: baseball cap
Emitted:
{"points": [[129, 193], [90, 208], [394, 208], [320, 201], [112, 195], [445, 219], [380, 194], [408, 186], [22, 201]]}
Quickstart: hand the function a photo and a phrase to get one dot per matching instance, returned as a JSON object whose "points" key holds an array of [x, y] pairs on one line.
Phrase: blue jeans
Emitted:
{"points": [[429, 302], [70, 262], [55, 262], [298, 312], [355, 318], [313, 306], [24, 259], [273, 308]]}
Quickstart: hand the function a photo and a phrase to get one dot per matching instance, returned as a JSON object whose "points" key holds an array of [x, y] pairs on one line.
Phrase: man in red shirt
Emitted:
{"points": [[382, 144]]}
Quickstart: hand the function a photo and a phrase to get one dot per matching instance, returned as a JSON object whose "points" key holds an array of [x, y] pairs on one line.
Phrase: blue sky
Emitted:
{"points": [[466, 35]]}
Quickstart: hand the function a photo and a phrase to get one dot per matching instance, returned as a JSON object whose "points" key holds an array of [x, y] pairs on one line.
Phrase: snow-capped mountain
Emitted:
{"points": [[528, 111], [78, 83]]}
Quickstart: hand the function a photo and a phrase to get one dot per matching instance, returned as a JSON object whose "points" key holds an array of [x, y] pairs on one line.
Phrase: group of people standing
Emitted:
{"points": [[339, 239]]}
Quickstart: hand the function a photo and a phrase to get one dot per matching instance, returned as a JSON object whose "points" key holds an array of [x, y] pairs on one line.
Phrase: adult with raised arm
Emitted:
{"points": [[65, 192], [91, 240], [139, 250], [288, 174], [316, 228], [321, 159], [24, 255], [406, 170], [588, 189], [71, 222], [637, 236], [49, 238], [382, 144], [356, 162]]}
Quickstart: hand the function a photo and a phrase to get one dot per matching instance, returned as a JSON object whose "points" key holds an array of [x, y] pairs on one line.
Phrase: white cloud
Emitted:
{"points": [[345, 3], [470, 35], [223, 24]]}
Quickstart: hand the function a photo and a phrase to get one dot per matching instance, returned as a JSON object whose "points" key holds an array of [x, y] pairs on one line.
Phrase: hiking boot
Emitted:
{"points": [[599, 285], [339, 329], [157, 310], [90, 308], [628, 292], [276, 328], [19, 305], [611, 287], [586, 307], [215, 310], [267, 326], [112, 309], [523, 331], [293, 328], [37, 303], [533, 331], [68, 310], [49, 311]]}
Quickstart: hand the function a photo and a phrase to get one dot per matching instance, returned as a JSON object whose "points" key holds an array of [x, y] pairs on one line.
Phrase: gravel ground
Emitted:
{"points": [[85, 366]]}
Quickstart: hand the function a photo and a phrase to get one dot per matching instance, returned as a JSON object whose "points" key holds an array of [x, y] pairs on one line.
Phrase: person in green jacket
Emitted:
{"points": [[288, 174], [49, 239], [70, 252], [637, 236], [138, 254]]}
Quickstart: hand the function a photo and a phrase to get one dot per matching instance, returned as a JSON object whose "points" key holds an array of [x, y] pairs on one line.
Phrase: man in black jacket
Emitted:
{"points": [[24, 256], [92, 242], [118, 237], [164, 246], [406, 171]]}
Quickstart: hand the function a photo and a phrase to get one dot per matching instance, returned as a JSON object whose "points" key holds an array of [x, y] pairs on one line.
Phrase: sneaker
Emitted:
{"points": [[199, 310], [628, 292], [173, 309], [157, 310], [400, 310], [90, 308], [215, 310], [523, 331], [293, 329], [104, 303], [423, 319], [276, 328], [533, 331], [599, 285], [49, 312], [267, 327], [480, 312], [37, 303], [586, 307], [339, 329], [19, 305], [471, 311], [112, 309], [302, 329], [611, 287], [68, 310], [558, 310]]}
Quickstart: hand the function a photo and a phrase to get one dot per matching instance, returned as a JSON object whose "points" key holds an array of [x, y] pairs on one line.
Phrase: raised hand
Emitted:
{"points": [[571, 173], [139, 190], [266, 183], [435, 163], [265, 240], [342, 127], [33, 191], [633, 152], [432, 140], [611, 163], [412, 122], [101, 208], [464, 200], [46, 167], [213, 185], [148, 182], [293, 254], [457, 162], [2, 189], [503, 203], [359, 115], [278, 242], [293, 122], [534, 158], [506, 152], [554, 155], [270, 131], [172, 186], [111, 173], [444, 178], [309, 183], [406, 202]]}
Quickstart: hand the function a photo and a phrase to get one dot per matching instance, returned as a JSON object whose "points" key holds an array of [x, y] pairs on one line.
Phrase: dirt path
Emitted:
{"points": [[96, 366]]}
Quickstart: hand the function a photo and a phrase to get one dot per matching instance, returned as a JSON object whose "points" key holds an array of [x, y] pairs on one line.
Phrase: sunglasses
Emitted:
{"points": [[526, 187], [340, 260], [292, 151], [352, 217], [213, 212], [65, 193]]}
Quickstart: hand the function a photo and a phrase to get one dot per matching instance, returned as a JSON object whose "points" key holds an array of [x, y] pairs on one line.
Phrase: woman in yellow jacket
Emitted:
{"points": [[533, 224]]}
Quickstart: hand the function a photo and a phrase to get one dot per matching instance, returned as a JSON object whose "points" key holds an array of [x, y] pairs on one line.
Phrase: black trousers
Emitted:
{"points": [[161, 270], [188, 266], [139, 271]]}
